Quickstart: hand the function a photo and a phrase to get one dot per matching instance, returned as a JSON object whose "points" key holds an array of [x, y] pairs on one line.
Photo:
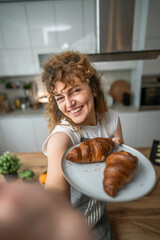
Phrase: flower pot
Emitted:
{"points": [[10, 177]]}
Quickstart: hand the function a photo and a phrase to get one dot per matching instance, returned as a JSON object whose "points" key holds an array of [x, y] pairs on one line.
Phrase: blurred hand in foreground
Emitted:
{"points": [[30, 213]]}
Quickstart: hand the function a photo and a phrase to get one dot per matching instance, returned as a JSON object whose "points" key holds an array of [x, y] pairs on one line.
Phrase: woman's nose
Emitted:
{"points": [[69, 101]]}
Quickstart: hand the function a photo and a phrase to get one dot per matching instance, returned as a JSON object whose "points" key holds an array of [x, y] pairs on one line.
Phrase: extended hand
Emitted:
{"points": [[117, 140]]}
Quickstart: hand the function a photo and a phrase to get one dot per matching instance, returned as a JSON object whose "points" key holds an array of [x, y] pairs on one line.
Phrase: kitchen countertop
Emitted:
{"points": [[133, 220], [119, 107], [28, 112]]}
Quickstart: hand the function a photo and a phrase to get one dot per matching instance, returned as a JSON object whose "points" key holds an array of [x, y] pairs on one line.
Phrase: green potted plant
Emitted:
{"points": [[27, 86], [27, 89], [9, 165]]}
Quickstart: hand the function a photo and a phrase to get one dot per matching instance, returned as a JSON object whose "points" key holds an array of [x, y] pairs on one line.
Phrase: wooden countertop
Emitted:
{"points": [[134, 220], [138, 219]]}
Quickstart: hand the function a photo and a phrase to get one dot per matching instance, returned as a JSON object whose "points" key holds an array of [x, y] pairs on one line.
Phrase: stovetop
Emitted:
{"points": [[155, 152]]}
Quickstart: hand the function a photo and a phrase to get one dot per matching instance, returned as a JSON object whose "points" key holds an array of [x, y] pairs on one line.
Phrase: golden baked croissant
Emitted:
{"points": [[90, 151], [120, 167]]}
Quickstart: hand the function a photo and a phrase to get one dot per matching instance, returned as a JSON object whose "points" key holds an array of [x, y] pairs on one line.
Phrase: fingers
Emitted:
{"points": [[117, 140]]}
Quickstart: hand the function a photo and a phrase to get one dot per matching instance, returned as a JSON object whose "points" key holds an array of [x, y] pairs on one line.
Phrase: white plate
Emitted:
{"points": [[88, 178]]}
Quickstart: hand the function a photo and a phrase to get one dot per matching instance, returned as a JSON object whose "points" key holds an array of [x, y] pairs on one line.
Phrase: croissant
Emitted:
{"points": [[120, 167], [90, 151]]}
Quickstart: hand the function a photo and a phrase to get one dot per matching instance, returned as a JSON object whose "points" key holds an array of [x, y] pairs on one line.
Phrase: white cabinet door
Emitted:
{"points": [[141, 128], [17, 62], [42, 23], [152, 67], [41, 131], [13, 26], [89, 26], [19, 134], [129, 127], [148, 128], [3, 146], [70, 22], [1, 40], [16, 55], [2, 64]]}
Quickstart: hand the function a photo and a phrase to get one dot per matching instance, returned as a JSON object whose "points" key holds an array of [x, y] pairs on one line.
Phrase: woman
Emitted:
{"points": [[76, 111]]}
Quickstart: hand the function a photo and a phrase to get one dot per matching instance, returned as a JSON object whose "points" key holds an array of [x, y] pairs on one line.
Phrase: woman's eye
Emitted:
{"points": [[59, 99], [75, 91]]}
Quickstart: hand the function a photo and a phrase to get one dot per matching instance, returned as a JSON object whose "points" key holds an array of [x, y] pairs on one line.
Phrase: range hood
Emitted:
{"points": [[117, 30], [124, 56]]}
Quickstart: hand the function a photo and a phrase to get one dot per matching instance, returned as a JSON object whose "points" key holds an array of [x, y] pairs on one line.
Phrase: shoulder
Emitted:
{"points": [[111, 115], [59, 141], [66, 131]]}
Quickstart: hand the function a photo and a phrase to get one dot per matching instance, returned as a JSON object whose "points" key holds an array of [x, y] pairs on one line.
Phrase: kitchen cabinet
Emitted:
{"points": [[152, 67], [27, 133], [17, 62], [31, 28], [140, 129], [15, 52], [23, 133], [129, 126], [14, 27], [70, 19], [77, 20], [2, 64], [148, 128], [89, 27], [42, 24], [19, 134], [3, 146], [1, 42], [41, 130]]}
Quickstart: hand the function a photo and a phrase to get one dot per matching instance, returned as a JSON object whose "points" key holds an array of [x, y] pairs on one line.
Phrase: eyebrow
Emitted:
{"points": [[59, 94]]}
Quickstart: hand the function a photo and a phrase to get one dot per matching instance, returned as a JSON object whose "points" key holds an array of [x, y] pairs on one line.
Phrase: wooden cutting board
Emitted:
{"points": [[118, 88]]}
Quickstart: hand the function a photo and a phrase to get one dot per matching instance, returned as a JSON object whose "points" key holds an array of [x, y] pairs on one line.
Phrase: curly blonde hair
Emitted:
{"points": [[63, 67]]}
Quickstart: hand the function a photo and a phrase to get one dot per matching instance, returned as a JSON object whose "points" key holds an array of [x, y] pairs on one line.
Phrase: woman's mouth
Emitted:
{"points": [[75, 111]]}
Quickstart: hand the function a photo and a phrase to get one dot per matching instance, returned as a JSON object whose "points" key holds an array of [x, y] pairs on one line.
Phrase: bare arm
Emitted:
{"points": [[118, 136], [58, 144]]}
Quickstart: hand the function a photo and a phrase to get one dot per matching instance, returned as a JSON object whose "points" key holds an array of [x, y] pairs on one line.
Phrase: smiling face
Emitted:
{"points": [[76, 102]]}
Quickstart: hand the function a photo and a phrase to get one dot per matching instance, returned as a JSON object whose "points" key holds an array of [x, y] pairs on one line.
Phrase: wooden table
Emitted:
{"points": [[125, 218], [36, 161], [132, 220]]}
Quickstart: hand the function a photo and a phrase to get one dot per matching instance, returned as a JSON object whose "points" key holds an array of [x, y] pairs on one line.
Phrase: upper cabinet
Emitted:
{"points": [[70, 25], [42, 24], [76, 25], [153, 29], [32, 28], [1, 42], [14, 29], [152, 41], [16, 62], [15, 51], [90, 41], [28, 29]]}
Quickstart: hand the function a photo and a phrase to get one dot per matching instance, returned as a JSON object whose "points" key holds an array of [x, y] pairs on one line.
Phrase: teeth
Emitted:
{"points": [[76, 110]]}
